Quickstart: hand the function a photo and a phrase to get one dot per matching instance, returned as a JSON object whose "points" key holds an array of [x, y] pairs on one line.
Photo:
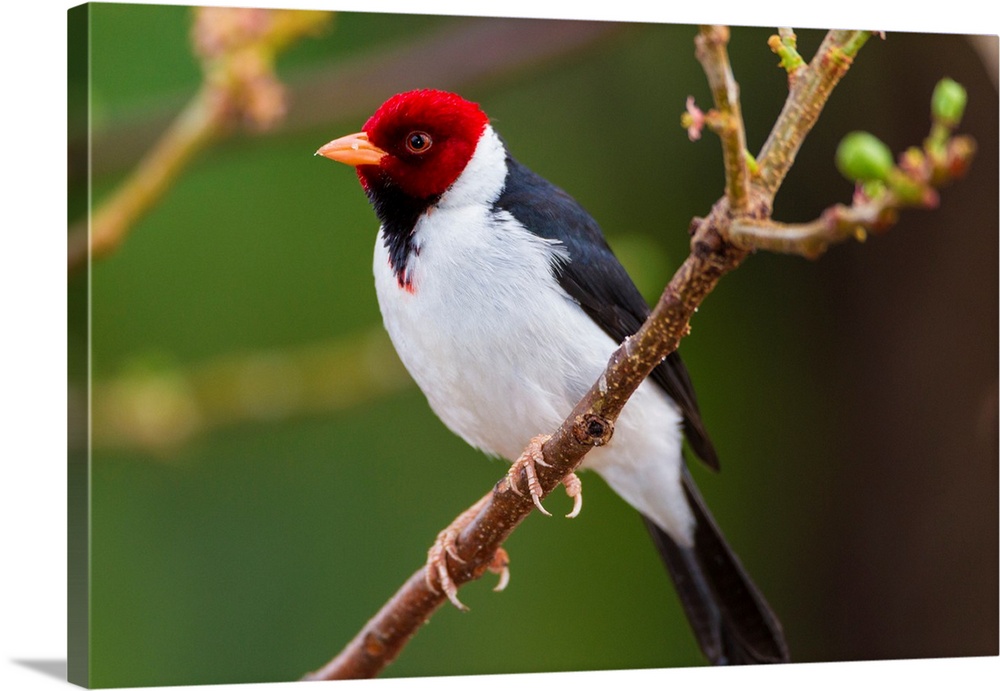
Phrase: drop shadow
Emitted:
{"points": [[51, 668]]}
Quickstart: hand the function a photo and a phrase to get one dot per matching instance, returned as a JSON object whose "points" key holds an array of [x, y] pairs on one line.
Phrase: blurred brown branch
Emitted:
{"points": [[237, 48], [157, 407]]}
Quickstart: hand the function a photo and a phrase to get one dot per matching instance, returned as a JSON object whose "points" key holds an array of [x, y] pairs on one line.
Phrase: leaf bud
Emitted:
{"points": [[863, 156], [948, 103]]}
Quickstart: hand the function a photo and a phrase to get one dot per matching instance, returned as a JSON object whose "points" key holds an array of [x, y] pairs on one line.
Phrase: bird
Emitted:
{"points": [[504, 301]]}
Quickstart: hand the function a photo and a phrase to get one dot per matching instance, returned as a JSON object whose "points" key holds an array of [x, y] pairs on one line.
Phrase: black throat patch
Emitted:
{"points": [[398, 213]]}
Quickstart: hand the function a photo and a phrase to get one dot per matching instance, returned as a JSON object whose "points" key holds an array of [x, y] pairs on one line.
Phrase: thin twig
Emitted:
{"points": [[710, 49], [811, 239], [808, 95], [785, 45]]}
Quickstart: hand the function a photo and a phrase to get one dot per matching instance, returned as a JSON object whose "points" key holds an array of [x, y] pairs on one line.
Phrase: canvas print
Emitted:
{"points": [[408, 345]]}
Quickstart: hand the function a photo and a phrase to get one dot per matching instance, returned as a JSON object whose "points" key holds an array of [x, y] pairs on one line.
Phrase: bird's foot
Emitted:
{"points": [[531, 457], [437, 565], [437, 576]]}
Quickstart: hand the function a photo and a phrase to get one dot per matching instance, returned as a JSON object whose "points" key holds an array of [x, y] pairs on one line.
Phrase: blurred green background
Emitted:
{"points": [[264, 476]]}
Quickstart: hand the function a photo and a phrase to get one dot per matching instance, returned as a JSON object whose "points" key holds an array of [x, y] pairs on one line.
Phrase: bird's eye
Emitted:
{"points": [[418, 142]]}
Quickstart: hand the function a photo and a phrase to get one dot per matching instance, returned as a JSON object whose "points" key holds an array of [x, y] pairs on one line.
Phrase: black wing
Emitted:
{"points": [[599, 283]]}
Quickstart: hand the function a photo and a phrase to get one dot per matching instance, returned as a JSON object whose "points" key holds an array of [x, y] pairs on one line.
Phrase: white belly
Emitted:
{"points": [[477, 330]]}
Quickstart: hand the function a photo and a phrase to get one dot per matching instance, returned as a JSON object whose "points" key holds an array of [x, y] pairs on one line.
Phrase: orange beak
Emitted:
{"points": [[354, 150]]}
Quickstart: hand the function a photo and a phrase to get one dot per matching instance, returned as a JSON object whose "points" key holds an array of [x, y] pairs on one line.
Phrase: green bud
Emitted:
{"points": [[948, 102], [863, 156]]}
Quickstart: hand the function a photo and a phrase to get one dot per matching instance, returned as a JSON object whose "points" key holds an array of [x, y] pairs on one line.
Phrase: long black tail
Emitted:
{"points": [[731, 620]]}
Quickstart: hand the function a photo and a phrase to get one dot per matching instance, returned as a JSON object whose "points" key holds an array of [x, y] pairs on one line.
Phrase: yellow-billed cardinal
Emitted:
{"points": [[505, 302]]}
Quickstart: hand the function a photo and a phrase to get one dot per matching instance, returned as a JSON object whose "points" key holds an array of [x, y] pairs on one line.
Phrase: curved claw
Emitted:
{"points": [[574, 489], [437, 565], [501, 565], [531, 457]]}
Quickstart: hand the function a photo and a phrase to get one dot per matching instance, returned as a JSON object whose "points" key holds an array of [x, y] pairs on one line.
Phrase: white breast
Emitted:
{"points": [[503, 353]]}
